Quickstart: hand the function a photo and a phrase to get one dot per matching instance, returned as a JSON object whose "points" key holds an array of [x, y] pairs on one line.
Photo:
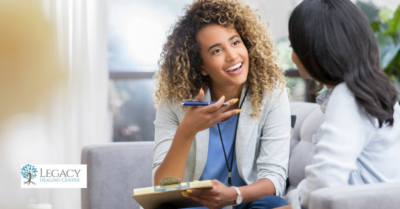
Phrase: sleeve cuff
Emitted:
{"points": [[279, 187]]}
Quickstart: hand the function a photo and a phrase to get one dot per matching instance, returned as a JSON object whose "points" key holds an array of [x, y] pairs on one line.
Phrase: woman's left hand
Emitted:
{"points": [[217, 197]]}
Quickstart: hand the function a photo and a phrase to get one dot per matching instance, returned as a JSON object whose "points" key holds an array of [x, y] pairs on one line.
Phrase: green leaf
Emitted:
{"points": [[389, 71], [397, 36], [396, 61], [369, 10], [375, 26], [388, 53], [385, 14], [394, 23], [379, 27]]}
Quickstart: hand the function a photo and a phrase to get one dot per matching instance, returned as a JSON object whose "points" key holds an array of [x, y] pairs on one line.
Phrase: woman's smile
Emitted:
{"points": [[235, 68]]}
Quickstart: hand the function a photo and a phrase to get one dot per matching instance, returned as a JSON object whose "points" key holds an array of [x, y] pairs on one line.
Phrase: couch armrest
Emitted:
{"points": [[371, 196], [114, 170]]}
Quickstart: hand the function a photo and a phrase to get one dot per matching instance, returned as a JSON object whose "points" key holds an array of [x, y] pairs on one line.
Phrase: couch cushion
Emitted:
{"points": [[301, 110], [311, 124], [300, 158], [309, 119]]}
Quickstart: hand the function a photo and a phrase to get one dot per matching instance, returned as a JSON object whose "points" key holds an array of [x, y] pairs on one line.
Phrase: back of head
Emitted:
{"points": [[335, 43]]}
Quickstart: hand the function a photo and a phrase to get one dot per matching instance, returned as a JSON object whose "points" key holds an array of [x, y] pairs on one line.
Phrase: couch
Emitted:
{"points": [[114, 169]]}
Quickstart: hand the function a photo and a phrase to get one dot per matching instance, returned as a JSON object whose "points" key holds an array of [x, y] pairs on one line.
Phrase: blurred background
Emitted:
{"points": [[87, 76]]}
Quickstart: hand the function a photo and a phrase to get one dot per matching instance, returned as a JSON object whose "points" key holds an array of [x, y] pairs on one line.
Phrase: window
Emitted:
{"points": [[137, 31]]}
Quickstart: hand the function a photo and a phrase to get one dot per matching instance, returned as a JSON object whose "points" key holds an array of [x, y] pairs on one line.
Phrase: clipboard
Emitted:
{"points": [[169, 192]]}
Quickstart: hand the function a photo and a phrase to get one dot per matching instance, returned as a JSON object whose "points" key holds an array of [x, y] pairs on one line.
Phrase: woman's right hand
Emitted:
{"points": [[199, 118]]}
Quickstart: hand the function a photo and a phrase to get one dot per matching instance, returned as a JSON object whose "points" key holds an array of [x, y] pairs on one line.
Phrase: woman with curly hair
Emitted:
{"points": [[221, 51]]}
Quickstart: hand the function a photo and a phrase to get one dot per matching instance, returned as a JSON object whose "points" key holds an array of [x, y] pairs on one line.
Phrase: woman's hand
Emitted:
{"points": [[217, 197], [199, 118]]}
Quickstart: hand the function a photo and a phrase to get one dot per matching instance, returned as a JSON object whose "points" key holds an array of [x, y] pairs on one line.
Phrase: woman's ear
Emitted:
{"points": [[202, 71]]}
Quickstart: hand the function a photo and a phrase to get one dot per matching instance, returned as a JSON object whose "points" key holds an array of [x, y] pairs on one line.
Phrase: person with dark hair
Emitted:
{"points": [[220, 50], [359, 140]]}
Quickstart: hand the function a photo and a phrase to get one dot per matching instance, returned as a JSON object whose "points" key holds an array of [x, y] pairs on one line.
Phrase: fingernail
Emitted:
{"points": [[201, 90], [234, 101], [184, 194], [223, 97], [238, 111], [189, 191]]}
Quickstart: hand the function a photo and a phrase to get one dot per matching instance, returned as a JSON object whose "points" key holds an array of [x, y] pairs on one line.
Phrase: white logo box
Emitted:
{"points": [[53, 176]]}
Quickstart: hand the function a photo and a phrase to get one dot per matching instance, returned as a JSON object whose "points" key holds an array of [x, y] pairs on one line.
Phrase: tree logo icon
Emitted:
{"points": [[29, 172]]}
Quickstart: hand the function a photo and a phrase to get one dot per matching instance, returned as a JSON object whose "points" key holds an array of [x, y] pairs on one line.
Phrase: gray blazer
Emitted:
{"points": [[262, 146]]}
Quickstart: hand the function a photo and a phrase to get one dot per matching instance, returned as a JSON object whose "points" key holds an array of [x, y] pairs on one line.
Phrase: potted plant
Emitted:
{"points": [[386, 25]]}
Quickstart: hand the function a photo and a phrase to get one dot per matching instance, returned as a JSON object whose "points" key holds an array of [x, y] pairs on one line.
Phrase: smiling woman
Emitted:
{"points": [[222, 46], [181, 53]]}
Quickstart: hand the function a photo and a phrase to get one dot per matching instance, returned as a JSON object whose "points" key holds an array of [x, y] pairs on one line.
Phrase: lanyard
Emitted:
{"points": [[234, 140]]}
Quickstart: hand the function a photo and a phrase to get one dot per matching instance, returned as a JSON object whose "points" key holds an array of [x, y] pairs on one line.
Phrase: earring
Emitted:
{"points": [[204, 73]]}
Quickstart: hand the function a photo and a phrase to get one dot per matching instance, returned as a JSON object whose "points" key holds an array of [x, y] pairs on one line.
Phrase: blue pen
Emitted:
{"points": [[193, 102]]}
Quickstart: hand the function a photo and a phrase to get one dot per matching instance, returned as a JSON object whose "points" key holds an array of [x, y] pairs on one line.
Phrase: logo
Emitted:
{"points": [[54, 176], [28, 172]]}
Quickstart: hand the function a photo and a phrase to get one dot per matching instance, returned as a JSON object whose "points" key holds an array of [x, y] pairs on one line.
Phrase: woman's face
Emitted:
{"points": [[225, 57], [302, 69]]}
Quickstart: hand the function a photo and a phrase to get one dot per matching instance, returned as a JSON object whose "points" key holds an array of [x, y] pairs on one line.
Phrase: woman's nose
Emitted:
{"points": [[231, 55]]}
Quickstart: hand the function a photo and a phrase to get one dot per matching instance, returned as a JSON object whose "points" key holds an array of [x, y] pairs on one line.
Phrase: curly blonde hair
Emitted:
{"points": [[179, 76]]}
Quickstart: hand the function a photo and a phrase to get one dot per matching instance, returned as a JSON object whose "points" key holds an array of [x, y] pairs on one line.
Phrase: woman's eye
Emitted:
{"points": [[216, 51], [236, 43]]}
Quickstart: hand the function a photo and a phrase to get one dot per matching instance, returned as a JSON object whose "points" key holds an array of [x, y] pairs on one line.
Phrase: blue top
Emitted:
{"points": [[216, 164]]}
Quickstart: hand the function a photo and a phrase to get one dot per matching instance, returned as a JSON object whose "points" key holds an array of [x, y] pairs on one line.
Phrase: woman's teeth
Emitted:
{"points": [[235, 67]]}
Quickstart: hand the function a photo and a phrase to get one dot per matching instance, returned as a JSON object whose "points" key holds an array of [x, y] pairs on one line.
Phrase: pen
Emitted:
{"points": [[200, 103]]}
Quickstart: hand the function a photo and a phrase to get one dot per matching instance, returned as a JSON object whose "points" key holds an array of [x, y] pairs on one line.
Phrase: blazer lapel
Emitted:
{"points": [[246, 126], [202, 146]]}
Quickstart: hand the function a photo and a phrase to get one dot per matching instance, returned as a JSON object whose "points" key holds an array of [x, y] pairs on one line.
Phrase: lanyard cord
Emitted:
{"points": [[234, 140]]}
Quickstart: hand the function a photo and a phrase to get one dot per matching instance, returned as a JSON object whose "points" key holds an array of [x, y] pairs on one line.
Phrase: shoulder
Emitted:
{"points": [[277, 95], [342, 105], [169, 107], [341, 99], [341, 90], [275, 101]]}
